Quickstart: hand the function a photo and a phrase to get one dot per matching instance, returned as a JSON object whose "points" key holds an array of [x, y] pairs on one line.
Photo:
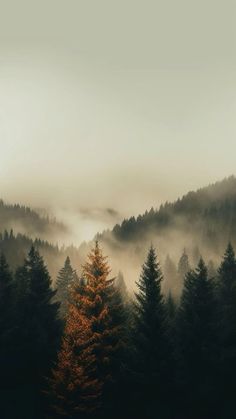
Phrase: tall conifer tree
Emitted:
{"points": [[8, 341], [75, 388], [150, 345], [170, 282], [101, 303], [196, 331], [38, 329], [227, 330], [65, 279], [183, 266]]}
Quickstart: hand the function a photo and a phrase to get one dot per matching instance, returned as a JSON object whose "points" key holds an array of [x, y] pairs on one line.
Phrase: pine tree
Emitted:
{"points": [[227, 331], [75, 390], [196, 333], [183, 269], [170, 282], [101, 304], [6, 295], [150, 345], [7, 320], [183, 266], [8, 341], [38, 326], [65, 279]]}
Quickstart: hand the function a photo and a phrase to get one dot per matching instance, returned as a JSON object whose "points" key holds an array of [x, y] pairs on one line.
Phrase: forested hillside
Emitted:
{"points": [[85, 349], [16, 246], [203, 219], [24, 220]]}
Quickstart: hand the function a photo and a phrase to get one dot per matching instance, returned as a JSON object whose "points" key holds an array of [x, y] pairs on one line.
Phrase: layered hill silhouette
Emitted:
{"points": [[205, 218], [202, 222], [24, 220]]}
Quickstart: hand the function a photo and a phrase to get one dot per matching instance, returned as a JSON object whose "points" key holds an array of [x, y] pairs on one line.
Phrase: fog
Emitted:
{"points": [[110, 108], [114, 105]]}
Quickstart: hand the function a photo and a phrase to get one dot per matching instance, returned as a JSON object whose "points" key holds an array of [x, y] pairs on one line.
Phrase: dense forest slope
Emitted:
{"points": [[16, 246], [203, 221], [24, 220]]}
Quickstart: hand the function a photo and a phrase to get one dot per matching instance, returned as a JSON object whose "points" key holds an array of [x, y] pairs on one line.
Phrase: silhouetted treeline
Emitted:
{"points": [[90, 350], [16, 247], [25, 220], [208, 214]]}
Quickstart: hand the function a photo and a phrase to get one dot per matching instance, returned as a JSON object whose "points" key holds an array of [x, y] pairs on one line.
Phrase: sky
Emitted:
{"points": [[108, 108]]}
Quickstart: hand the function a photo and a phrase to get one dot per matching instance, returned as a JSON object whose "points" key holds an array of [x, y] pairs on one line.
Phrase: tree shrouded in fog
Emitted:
{"points": [[197, 344], [121, 286], [65, 279], [150, 343], [183, 265], [227, 325], [170, 277]]}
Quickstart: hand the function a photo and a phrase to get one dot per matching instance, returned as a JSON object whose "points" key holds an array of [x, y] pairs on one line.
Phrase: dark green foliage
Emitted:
{"points": [[227, 330], [16, 247], [38, 327], [197, 345], [171, 308], [161, 359], [66, 276], [150, 345], [7, 321]]}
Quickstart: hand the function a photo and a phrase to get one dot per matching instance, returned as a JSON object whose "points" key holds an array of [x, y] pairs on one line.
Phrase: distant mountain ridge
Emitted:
{"points": [[24, 220], [201, 221], [206, 217]]}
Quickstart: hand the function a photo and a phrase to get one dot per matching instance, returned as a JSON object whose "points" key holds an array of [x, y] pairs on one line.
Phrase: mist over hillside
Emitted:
{"points": [[201, 222], [33, 223]]}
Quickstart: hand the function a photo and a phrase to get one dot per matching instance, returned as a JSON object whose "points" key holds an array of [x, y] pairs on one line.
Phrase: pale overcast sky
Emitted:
{"points": [[115, 104]]}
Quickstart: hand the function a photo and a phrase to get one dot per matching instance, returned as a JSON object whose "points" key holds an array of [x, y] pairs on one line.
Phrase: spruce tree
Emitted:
{"points": [[170, 282], [196, 331], [151, 362], [101, 303], [183, 269], [38, 328], [7, 321], [6, 298], [8, 341], [227, 330], [64, 280], [74, 389], [183, 266]]}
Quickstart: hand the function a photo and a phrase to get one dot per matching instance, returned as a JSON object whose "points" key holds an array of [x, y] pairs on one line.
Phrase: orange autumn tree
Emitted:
{"points": [[102, 305], [75, 390], [87, 369]]}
